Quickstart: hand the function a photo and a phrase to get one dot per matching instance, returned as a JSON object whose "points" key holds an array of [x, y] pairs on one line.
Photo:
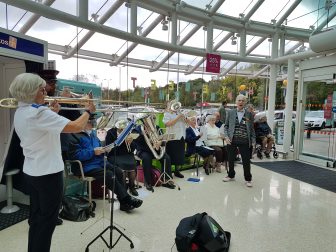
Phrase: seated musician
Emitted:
{"points": [[88, 150], [123, 155], [145, 153], [264, 135], [195, 144], [215, 139]]}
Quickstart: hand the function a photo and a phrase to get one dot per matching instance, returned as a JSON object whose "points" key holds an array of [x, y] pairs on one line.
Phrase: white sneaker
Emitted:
{"points": [[227, 179], [248, 183]]}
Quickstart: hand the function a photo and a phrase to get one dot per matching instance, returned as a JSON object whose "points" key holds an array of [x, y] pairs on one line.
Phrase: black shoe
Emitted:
{"points": [[59, 222], [135, 202], [267, 155], [133, 191], [150, 188], [169, 185], [206, 171], [126, 207], [178, 174]]}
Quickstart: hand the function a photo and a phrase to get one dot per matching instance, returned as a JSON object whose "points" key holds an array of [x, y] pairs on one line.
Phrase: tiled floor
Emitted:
{"points": [[277, 214]]}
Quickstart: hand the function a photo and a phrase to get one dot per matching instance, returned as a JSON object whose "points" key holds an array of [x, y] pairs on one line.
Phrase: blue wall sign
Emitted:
{"points": [[334, 109], [21, 45]]}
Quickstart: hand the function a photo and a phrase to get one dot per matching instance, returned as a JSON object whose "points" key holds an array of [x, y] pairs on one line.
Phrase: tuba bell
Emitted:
{"points": [[152, 136], [175, 105]]}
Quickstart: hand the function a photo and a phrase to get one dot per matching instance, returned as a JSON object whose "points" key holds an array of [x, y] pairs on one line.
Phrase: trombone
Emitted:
{"points": [[12, 103]]}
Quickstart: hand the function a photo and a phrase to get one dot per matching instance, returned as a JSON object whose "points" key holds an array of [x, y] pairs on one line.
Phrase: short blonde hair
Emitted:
{"points": [[25, 87]]}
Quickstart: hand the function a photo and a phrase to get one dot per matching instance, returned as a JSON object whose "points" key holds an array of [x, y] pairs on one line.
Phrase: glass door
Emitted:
{"points": [[317, 141]]}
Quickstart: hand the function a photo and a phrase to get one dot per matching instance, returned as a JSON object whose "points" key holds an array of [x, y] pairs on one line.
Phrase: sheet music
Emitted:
{"points": [[121, 138]]}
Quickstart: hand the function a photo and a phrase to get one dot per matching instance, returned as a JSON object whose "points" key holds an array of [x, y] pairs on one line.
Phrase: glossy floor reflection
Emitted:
{"points": [[277, 214]]}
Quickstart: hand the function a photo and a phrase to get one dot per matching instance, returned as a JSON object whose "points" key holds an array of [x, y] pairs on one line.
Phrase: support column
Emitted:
{"points": [[134, 17], [83, 9], [174, 28], [282, 46], [272, 83], [242, 45], [209, 46], [289, 106]]}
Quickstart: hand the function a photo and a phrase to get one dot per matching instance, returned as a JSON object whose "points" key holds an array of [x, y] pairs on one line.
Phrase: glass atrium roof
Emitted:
{"points": [[165, 35]]}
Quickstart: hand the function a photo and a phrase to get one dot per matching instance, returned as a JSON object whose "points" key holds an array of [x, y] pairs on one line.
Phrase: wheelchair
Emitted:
{"points": [[259, 149]]}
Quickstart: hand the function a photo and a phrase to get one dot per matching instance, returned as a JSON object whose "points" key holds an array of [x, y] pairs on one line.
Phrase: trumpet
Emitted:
{"points": [[12, 103]]}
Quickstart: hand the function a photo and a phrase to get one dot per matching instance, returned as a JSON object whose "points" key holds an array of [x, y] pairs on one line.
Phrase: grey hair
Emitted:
{"points": [[209, 117], [250, 105], [241, 97], [25, 87]]}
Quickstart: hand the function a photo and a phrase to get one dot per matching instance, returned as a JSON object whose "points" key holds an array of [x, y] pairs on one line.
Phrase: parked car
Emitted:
{"points": [[315, 119]]}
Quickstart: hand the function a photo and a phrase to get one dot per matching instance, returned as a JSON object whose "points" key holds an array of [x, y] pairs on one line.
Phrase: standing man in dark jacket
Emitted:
{"points": [[239, 132]]}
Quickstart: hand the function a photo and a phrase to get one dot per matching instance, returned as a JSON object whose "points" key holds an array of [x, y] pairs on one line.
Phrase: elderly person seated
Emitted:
{"points": [[87, 148], [195, 144], [123, 155], [264, 135], [215, 139]]}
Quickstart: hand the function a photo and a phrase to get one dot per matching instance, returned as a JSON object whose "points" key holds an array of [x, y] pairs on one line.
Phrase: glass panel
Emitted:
{"points": [[319, 120]]}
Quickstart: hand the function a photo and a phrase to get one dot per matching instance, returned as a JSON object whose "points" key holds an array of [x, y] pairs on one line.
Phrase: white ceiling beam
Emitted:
{"points": [[89, 34], [253, 10], [199, 16], [33, 19], [134, 45], [189, 35], [290, 50], [254, 46], [219, 44], [288, 12], [73, 20]]}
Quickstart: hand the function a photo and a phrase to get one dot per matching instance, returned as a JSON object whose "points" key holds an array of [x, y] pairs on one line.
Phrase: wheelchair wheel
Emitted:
{"points": [[275, 154]]}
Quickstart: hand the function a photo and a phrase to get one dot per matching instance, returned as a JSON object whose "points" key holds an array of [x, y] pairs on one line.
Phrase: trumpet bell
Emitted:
{"points": [[175, 106]]}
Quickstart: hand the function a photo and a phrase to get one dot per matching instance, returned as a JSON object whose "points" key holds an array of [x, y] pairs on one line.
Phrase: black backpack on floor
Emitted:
{"points": [[76, 208], [201, 233]]}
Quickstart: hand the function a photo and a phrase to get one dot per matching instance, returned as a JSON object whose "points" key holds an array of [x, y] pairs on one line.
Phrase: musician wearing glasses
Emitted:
{"points": [[39, 128], [123, 155], [87, 148], [176, 123]]}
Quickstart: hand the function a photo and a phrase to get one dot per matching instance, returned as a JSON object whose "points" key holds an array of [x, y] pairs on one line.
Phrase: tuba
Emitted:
{"points": [[152, 136]]}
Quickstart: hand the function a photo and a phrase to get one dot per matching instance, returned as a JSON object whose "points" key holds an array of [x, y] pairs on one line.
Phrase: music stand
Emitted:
{"points": [[121, 138], [164, 174]]}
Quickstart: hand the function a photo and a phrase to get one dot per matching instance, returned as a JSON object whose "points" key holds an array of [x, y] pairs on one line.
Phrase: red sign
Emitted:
{"points": [[212, 63], [328, 108]]}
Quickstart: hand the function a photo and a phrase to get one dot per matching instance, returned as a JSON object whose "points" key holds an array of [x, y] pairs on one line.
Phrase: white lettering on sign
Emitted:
{"points": [[4, 42]]}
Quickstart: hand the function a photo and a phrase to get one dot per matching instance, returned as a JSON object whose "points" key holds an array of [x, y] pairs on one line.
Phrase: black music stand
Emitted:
{"points": [[121, 138]]}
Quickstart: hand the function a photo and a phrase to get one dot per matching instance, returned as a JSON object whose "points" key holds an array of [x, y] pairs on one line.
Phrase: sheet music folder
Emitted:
{"points": [[122, 136]]}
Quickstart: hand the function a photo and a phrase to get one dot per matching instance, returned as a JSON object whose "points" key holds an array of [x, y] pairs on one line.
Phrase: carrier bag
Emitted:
{"points": [[155, 175], [76, 208], [201, 233]]}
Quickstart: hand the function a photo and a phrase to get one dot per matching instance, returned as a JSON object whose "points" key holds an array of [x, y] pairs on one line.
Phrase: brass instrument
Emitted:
{"points": [[12, 102], [152, 136]]}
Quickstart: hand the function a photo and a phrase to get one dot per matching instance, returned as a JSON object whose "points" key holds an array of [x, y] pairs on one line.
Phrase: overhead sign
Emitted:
{"points": [[212, 63], [20, 46]]}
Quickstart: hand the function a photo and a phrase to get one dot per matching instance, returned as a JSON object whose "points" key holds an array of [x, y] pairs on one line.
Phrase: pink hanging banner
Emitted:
{"points": [[212, 63]]}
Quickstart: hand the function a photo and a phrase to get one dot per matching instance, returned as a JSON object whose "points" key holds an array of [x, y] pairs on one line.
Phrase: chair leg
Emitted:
{"points": [[10, 208]]}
